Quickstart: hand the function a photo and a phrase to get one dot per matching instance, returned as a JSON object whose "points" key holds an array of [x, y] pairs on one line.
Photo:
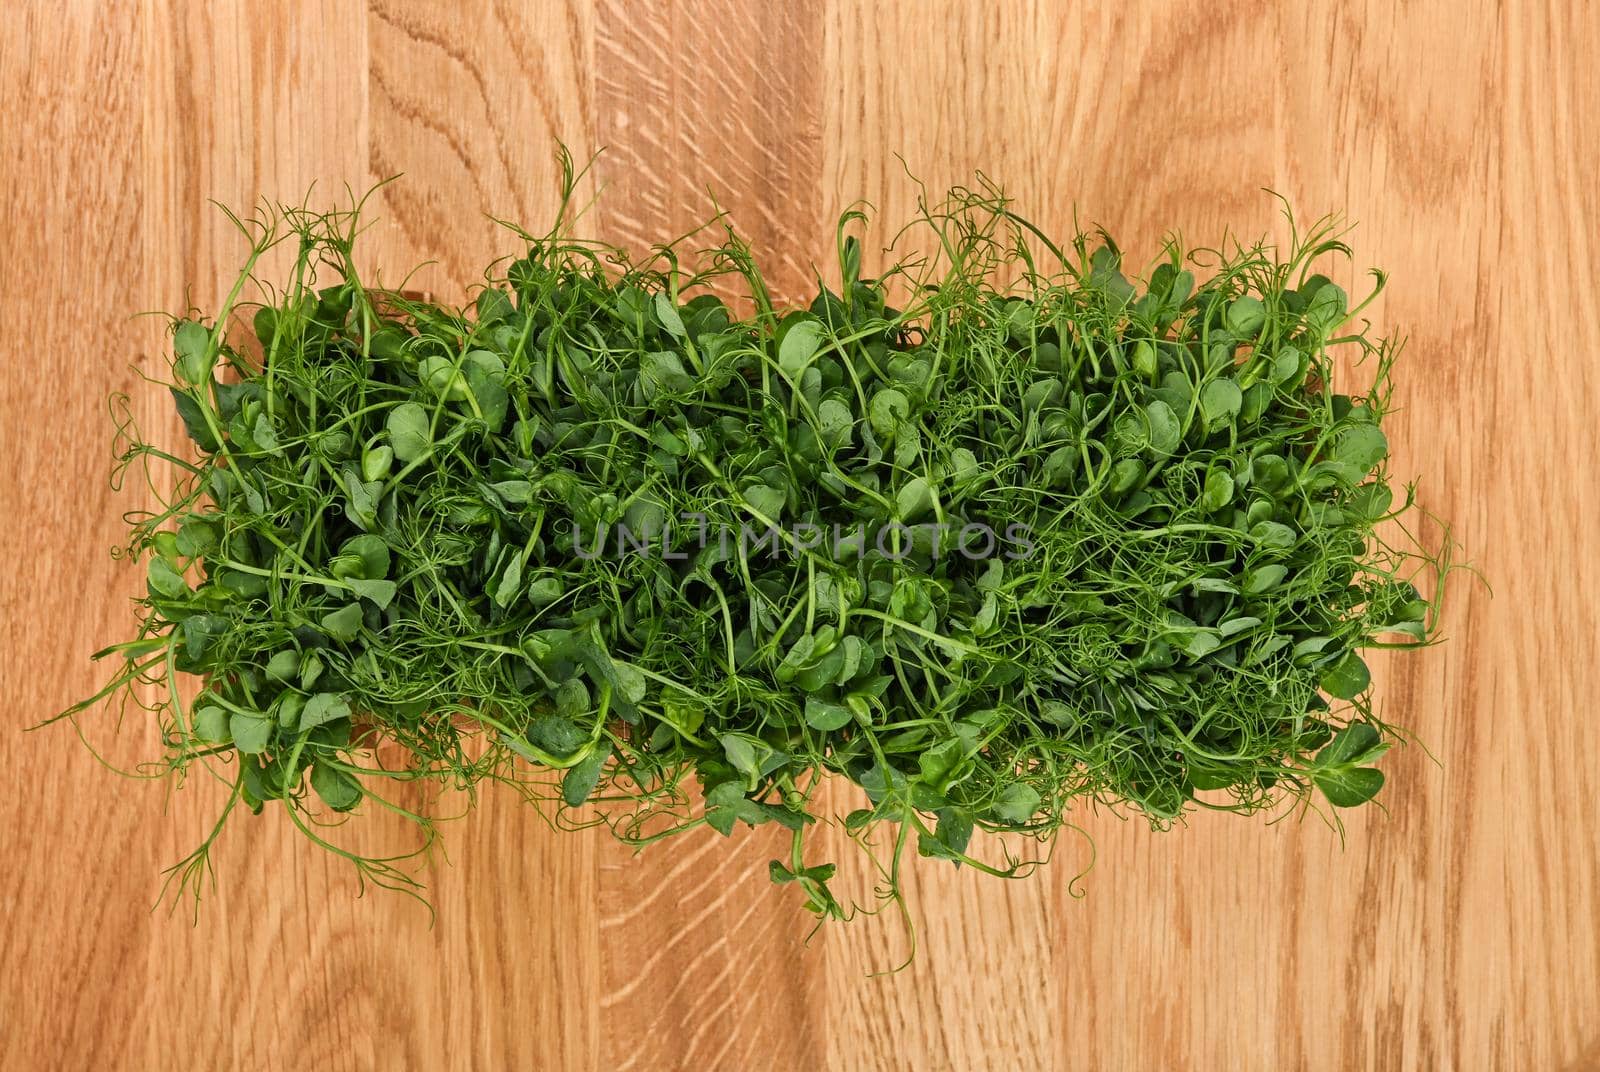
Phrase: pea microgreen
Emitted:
{"points": [[1116, 540]]}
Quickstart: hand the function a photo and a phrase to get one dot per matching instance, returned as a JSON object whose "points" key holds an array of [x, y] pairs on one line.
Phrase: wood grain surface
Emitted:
{"points": [[1457, 929]]}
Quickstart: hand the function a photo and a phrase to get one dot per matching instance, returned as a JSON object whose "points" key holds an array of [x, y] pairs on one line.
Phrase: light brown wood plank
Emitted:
{"points": [[1525, 948], [714, 104], [466, 105], [245, 104], [694, 116], [76, 930]]}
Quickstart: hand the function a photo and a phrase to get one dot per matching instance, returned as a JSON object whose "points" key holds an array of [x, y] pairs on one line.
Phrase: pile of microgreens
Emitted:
{"points": [[375, 540]]}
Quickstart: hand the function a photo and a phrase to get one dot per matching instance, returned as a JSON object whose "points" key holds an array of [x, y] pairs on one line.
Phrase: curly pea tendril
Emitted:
{"points": [[997, 531]]}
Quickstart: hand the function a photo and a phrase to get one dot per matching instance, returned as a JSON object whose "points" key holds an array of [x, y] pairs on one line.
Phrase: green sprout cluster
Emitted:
{"points": [[468, 532]]}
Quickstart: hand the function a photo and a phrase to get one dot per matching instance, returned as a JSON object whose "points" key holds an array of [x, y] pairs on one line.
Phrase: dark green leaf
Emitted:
{"points": [[344, 623], [583, 776], [1346, 679], [826, 717], [1165, 431], [337, 788], [667, 313], [663, 373], [1357, 743], [1219, 403], [1361, 447], [211, 723], [322, 708], [409, 436], [1017, 803], [194, 419], [799, 346], [251, 733], [1348, 787]]}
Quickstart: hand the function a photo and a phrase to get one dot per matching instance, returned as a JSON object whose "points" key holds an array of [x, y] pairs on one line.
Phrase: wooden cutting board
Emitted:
{"points": [[1456, 929]]}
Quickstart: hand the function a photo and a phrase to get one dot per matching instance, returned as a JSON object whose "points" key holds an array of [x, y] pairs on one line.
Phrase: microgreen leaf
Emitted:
{"points": [[284, 666], [1356, 743], [1164, 428], [913, 499], [194, 419], [1017, 804], [1361, 447], [364, 556], [582, 777], [663, 373], [667, 313], [889, 410], [344, 623], [192, 344], [1348, 678], [837, 423], [1219, 402], [338, 790], [800, 344], [322, 708], [251, 733], [767, 500], [741, 751], [1346, 788], [826, 717], [211, 723], [1218, 491], [409, 437], [164, 581], [1246, 315], [509, 584]]}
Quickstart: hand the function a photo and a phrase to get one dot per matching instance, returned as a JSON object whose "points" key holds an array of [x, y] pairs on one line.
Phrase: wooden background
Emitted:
{"points": [[1459, 930]]}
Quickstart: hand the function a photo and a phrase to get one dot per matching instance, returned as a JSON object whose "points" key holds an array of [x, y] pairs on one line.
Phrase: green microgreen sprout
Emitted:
{"points": [[1106, 541]]}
